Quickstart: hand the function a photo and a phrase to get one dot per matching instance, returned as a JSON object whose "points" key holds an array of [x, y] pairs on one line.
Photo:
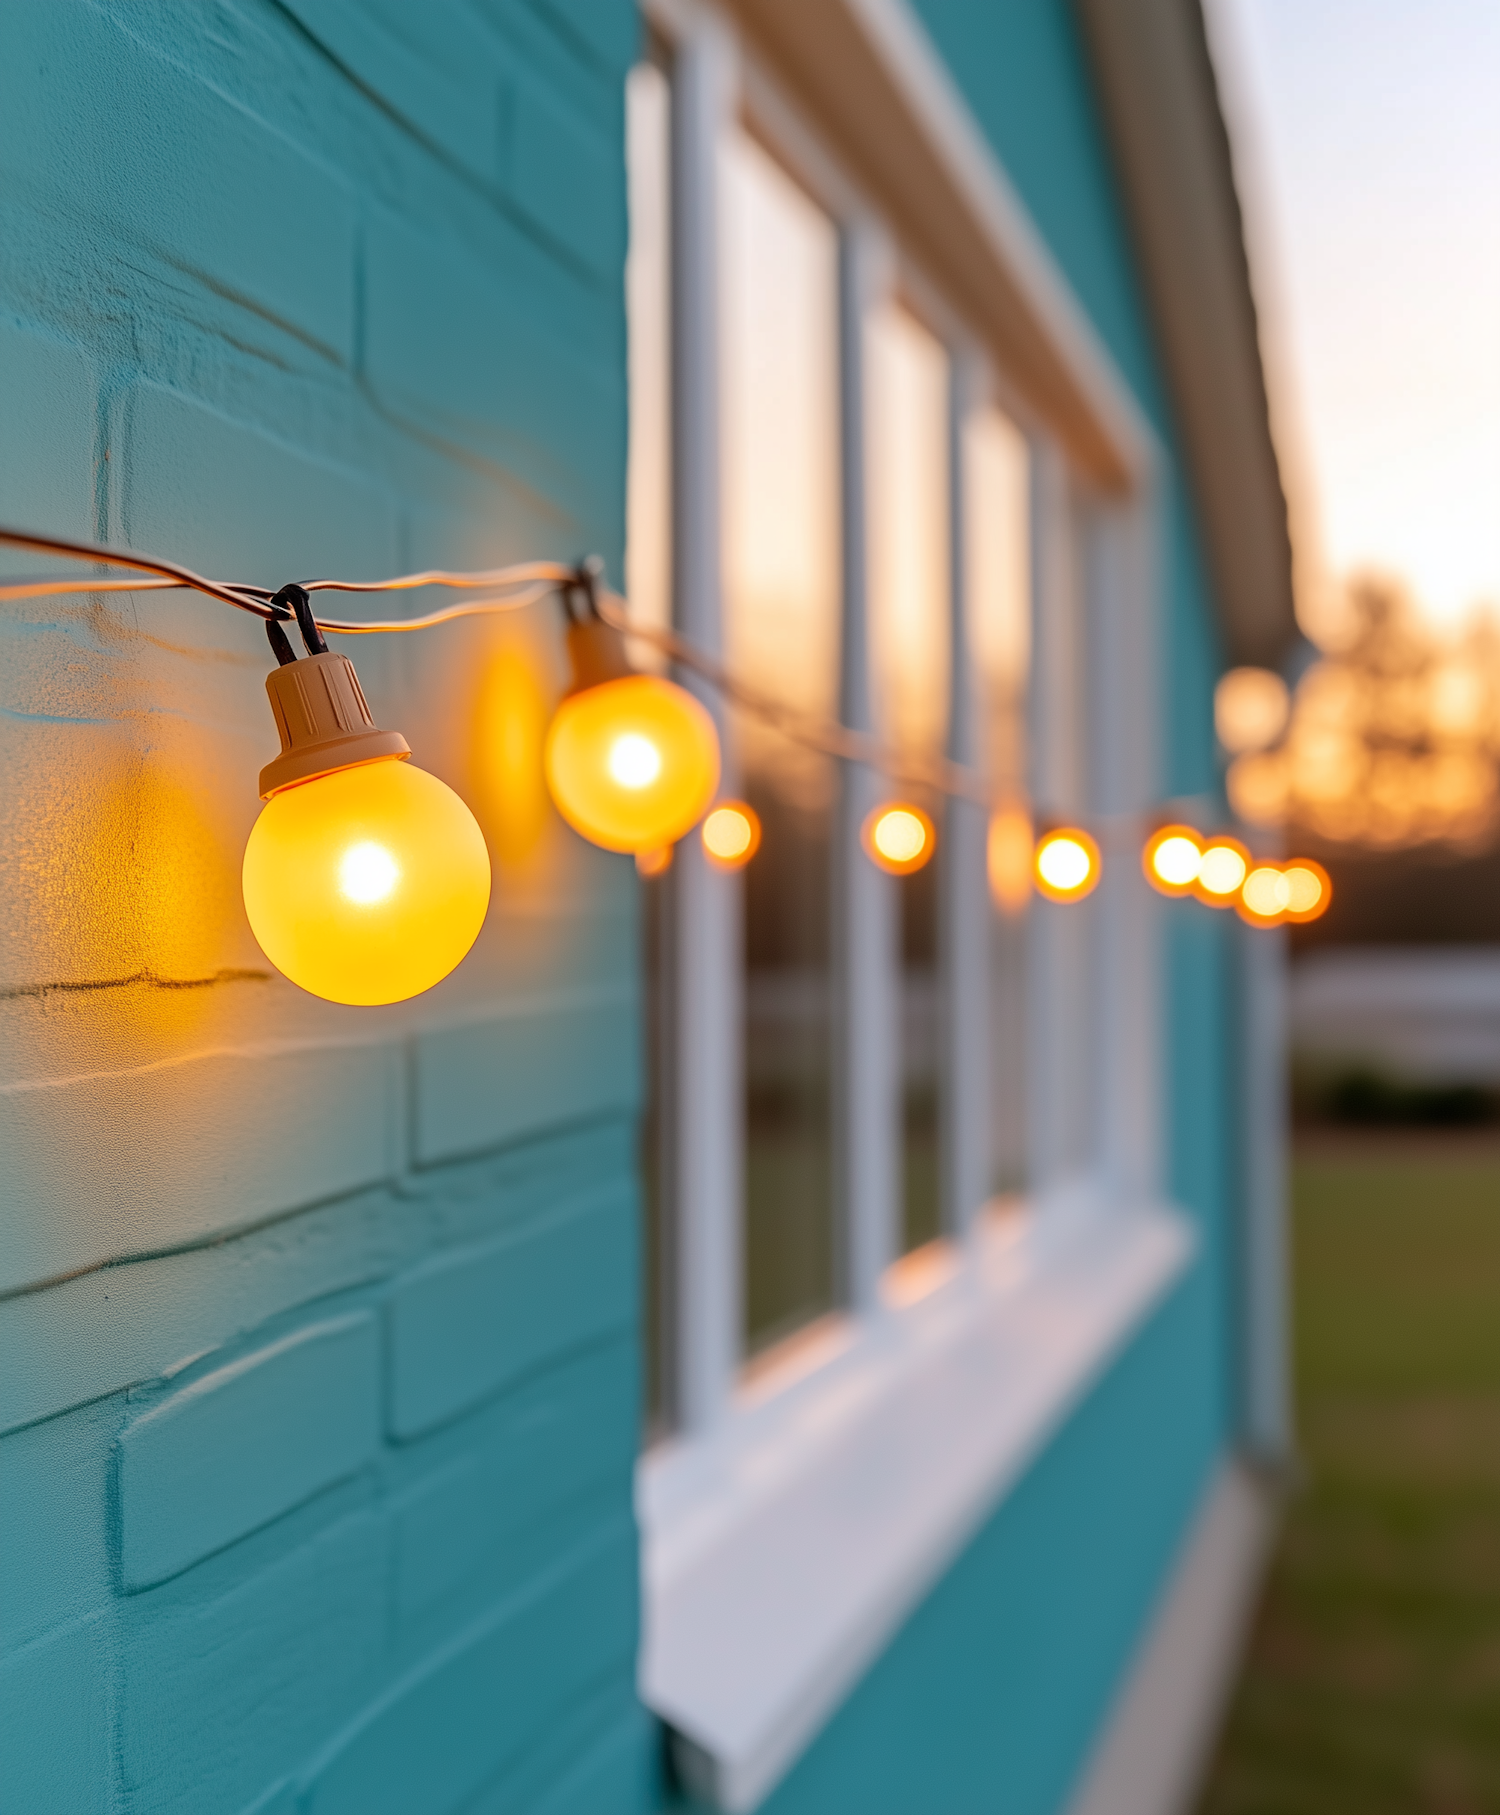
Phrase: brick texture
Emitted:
{"points": [[241, 1445], [318, 1371]]}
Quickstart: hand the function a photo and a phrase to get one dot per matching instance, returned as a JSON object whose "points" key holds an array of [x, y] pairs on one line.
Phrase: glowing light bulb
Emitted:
{"points": [[899, 838], [1309, 890], [1266, 895], [1067, 865], [731, 834], [368, 873], [1172, 859], [368, 884], [1225, 865], [1008, 856], [632, 762]]}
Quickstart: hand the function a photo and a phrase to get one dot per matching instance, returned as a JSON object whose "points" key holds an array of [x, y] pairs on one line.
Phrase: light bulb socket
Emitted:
{"points": [[597, 653], [325, 723]]}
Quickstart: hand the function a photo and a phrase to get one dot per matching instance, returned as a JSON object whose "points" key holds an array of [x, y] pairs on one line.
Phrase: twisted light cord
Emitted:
{"points": [[519, 586]]}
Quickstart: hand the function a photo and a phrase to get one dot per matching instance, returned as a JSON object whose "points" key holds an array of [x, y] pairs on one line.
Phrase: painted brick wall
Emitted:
{"points": [[318, 1360]]}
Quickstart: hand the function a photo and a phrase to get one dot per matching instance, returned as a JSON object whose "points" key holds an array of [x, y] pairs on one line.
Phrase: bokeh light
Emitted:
{"points": [[1222, 873], [632, 763], [1265, 896], [1251, 706], [1172, 859], [654, 862], [1309, 890], [731, 834], [899, 837], [1067, 864]]}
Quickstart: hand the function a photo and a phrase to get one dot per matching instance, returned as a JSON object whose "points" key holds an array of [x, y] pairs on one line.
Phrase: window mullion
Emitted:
{"points": [[1127, 923], [963, 901], [707, 988], [865, 904], [1057, 969]]}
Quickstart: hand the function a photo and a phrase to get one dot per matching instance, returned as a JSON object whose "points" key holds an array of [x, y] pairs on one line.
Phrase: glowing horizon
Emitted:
{"points": [[1367, 145]]}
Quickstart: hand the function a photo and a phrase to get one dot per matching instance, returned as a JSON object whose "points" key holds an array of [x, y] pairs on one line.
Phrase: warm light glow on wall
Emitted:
{"points": [[731, 835], [632, 763], [1067, 864], [506, 785], [1225, 865], [1008, 858], [1172, 859], [899, 838], [366, 885]]}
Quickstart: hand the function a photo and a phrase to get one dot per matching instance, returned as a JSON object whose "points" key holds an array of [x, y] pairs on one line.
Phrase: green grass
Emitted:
{"points": [[1372, 1684]]}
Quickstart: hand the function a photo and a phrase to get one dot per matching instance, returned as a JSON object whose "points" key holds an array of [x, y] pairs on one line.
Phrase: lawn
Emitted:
{"points": [[1372, 1684]]}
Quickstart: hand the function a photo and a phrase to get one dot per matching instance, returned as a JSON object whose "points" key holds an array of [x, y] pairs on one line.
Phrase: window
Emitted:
{"points": [[781, 617], [813, 1027]]}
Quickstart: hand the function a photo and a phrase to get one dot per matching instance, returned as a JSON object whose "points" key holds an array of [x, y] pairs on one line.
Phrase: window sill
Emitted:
{"points": [[883, 1445]]}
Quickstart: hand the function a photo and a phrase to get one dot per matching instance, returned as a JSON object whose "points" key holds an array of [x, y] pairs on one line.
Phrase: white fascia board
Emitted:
{"points": [[783, 1553]]}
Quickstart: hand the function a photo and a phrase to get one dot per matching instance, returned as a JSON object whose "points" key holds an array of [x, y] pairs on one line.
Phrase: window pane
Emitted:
{"points": [[648, 585], [998, 594], [910, 603], [781, 575]]}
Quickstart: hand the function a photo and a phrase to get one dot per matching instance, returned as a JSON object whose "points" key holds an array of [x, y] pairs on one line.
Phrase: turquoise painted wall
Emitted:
{"points": [[318, 1345], [988, 1699]]}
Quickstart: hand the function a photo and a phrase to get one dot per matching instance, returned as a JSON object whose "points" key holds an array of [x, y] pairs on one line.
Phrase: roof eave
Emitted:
{"points": [[1161, 105]]}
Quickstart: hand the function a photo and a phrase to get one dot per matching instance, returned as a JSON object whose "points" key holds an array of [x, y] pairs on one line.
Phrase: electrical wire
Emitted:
{"points": [[827, 738], [532, 581]]}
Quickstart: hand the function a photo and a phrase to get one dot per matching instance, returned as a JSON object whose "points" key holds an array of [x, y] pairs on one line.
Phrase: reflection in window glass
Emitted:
{"points": [[781, 578], [648, 585], [998, 594], [909, 604]]}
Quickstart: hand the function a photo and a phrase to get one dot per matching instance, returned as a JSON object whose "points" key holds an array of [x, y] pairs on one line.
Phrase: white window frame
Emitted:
{"points": [[938, 1379]]}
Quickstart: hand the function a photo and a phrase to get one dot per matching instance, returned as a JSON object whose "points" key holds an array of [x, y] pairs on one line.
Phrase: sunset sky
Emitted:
{"points": [[1367, 142]]}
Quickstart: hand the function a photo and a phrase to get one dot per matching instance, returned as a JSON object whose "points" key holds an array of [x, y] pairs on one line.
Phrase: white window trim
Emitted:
{"points": [[885, 1436], [783, 1553]]}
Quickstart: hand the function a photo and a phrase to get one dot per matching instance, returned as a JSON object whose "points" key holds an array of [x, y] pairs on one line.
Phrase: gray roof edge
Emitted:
{"points": [[1154, 71]]}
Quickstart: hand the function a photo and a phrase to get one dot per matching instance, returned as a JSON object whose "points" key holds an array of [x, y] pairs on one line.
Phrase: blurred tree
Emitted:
{"points": [[1393, 741]]}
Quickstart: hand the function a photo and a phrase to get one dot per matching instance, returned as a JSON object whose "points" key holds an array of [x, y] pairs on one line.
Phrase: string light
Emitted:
{"points": [[1265, 896], [632, 760], [1172, 859], [1309, 891], [1291, 893], [1222, 872], [1067, 865], [899, 838], [731, 834], [366, 880]]}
